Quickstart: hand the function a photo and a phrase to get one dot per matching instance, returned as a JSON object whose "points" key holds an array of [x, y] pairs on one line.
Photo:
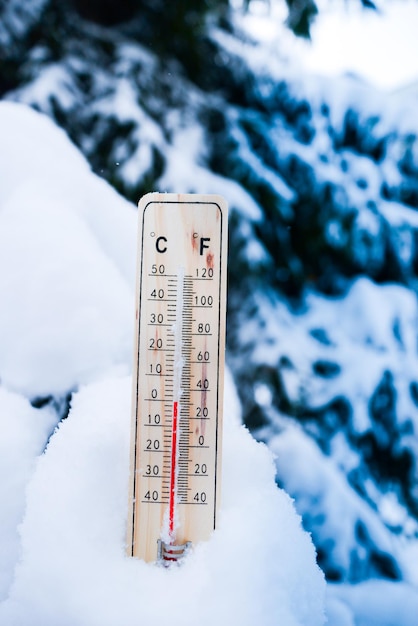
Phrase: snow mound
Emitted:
{"points": [[258, 568], [67, 258], [24, 432], [67, 248]]}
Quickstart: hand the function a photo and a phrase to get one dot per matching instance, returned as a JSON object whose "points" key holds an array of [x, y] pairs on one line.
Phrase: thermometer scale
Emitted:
{"points": [[178, 374]]}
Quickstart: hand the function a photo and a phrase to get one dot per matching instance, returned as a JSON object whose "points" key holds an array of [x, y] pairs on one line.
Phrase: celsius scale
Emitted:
{"points": [[174, 490]]}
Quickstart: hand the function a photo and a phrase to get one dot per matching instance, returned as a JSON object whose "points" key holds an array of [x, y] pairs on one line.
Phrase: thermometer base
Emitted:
{"points": [[167, 554]]}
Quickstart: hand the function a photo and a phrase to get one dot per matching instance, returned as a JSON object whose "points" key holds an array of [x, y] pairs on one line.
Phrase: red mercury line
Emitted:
{"points": [[173, 472]]}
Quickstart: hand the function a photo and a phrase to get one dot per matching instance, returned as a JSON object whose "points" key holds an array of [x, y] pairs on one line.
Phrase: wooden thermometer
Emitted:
{"points": [[178, 374]]}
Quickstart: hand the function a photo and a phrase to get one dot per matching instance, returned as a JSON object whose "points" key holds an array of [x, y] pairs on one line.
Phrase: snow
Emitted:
{"points": [[57, 224], [183, 171], [17, 21], [67, 256], [362, 341], [345, 39], [383, 337], [379, 46], [74, 527], [66, 287], [376, 602], [24, 432], [313, 479]]}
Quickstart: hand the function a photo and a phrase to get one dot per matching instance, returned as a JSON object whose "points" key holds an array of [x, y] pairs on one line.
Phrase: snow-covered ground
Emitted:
{"points": [[67, 250]]}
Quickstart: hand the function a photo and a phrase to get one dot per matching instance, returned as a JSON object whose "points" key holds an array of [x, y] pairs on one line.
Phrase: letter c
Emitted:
{"points": [[157, 244]]}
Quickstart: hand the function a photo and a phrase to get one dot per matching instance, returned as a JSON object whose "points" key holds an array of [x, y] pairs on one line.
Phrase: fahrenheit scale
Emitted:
{"points": [[178, 374]]}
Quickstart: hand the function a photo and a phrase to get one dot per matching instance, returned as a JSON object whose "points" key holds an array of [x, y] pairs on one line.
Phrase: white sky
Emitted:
{"points": [[379, 46]]}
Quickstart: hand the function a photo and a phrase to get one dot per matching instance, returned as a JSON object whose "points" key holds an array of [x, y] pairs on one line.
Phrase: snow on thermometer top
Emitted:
{"points": [[178, 373]]}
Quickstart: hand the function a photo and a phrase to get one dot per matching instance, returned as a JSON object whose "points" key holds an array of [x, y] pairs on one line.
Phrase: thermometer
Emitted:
{"points": [[178, 374]]}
